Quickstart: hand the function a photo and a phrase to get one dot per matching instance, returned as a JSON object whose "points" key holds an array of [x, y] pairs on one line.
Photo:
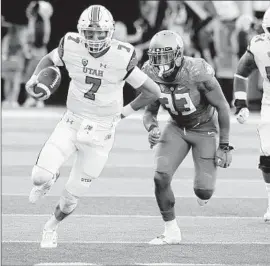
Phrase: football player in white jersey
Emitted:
{"points": [[257, 56], [98, 67]]}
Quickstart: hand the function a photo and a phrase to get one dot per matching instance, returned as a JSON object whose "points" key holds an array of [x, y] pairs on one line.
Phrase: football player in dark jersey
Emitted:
{"points": [[199, 117]]}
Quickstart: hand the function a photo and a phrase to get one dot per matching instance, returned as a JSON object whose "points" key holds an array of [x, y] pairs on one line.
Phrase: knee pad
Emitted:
{"points": [[40, 175], [162, 180], [264, 164], [203, 194], [68, 202]]}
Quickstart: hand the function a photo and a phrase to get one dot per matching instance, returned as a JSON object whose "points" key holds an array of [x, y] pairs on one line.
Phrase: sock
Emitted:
{"points": [[268, 192], [171, 226], [52, 223]]}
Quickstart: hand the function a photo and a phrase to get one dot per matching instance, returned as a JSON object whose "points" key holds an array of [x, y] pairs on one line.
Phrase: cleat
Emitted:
{"points": [[38, 192], [174, 239], [49, 239], [266, 216], [202, 202]]}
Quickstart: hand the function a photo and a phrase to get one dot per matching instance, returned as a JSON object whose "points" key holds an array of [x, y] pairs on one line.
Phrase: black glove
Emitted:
{"points": [[239, 104]]}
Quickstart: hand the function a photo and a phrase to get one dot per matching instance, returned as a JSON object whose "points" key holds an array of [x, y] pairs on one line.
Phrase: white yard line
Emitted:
{"points": [[136, 263], [65, 264], [141, 196], [182, 264], [134, 216], [248, 242], [187, 179]]}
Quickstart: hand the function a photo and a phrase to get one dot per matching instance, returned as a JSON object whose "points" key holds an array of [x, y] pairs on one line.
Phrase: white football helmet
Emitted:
{"points": [[96, 18], [166, 50], [266, 23]]}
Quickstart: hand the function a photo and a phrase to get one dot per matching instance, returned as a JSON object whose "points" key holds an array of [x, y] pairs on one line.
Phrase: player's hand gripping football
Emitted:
{"points": [[242, 112], [154, 136], [30, 85], [223, 157]]}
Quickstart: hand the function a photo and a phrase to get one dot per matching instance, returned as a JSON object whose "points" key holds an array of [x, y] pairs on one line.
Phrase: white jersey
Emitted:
{"points": [[96, 87], [260, 48]]}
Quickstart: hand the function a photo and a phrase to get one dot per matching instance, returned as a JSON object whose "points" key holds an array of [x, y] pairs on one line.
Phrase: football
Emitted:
{"points": [[49, 80]]}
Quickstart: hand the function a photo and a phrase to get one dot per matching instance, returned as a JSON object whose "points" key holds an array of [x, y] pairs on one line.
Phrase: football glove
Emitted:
{"points": [[223, 157], [154, 136], [242, 112]]}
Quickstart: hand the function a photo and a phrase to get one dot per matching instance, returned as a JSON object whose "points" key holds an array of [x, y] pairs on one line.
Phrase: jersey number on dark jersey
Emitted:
{"points": [[180, 102]]}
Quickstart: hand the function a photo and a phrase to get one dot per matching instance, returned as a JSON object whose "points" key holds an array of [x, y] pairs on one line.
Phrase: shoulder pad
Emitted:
{"points": [[124, 46], [73, 37], [200, 70], [255, 43], [126, 52]]}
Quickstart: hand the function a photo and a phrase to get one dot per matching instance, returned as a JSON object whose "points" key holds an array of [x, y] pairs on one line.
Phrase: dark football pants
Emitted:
{"points": [[175, 144]]}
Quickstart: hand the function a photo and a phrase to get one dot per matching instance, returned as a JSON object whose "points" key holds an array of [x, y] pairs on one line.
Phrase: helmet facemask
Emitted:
{"points": [[266, 29], [164, 60], [101, 42]]}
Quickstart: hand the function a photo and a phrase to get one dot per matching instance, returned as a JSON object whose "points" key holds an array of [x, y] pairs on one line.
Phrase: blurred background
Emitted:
{"points": [[218, 31]]}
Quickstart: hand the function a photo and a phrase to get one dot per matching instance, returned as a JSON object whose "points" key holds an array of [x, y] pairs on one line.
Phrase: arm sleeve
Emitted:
{"points": [[245, 67], [136, 78], [246, 64]]}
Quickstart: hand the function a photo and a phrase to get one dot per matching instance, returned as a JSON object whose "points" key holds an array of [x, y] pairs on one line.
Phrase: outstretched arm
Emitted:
{"points": [[245, 67], [216, 98], [150, 116]]}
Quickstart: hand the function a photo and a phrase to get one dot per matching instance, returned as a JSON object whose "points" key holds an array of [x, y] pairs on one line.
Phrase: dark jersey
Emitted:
{"points": [[184, 98]]}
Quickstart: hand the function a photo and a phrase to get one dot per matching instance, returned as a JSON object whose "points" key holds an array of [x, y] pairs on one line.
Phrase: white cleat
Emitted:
{"points": [[38, 192], [174, 239], [266, 216], [49, 239], [202, 202]]}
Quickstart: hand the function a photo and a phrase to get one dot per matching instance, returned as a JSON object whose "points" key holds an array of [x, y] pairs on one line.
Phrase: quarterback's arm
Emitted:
{"points": [[54, 58], [245, 67], [150, 115], [150, 91], [215, 97]]}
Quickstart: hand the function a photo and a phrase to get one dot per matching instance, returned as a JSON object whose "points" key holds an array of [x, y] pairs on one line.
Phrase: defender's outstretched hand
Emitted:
{"points": [[154, 136], [223, 156]]}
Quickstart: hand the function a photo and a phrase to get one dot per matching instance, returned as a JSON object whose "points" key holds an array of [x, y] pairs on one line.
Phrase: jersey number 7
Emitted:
{"points": [[95, 82]]}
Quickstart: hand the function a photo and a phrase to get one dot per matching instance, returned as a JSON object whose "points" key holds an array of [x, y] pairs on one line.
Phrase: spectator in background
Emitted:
{"points": [[177, 20], [204, 40], [259, 8], [151, 18], [225, 44], [13, 48], [244, 29], [121, 34], [38, 35]]}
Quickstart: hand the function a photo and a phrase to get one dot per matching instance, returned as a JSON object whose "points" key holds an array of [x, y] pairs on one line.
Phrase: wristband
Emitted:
{"points": [[127, 110]]}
